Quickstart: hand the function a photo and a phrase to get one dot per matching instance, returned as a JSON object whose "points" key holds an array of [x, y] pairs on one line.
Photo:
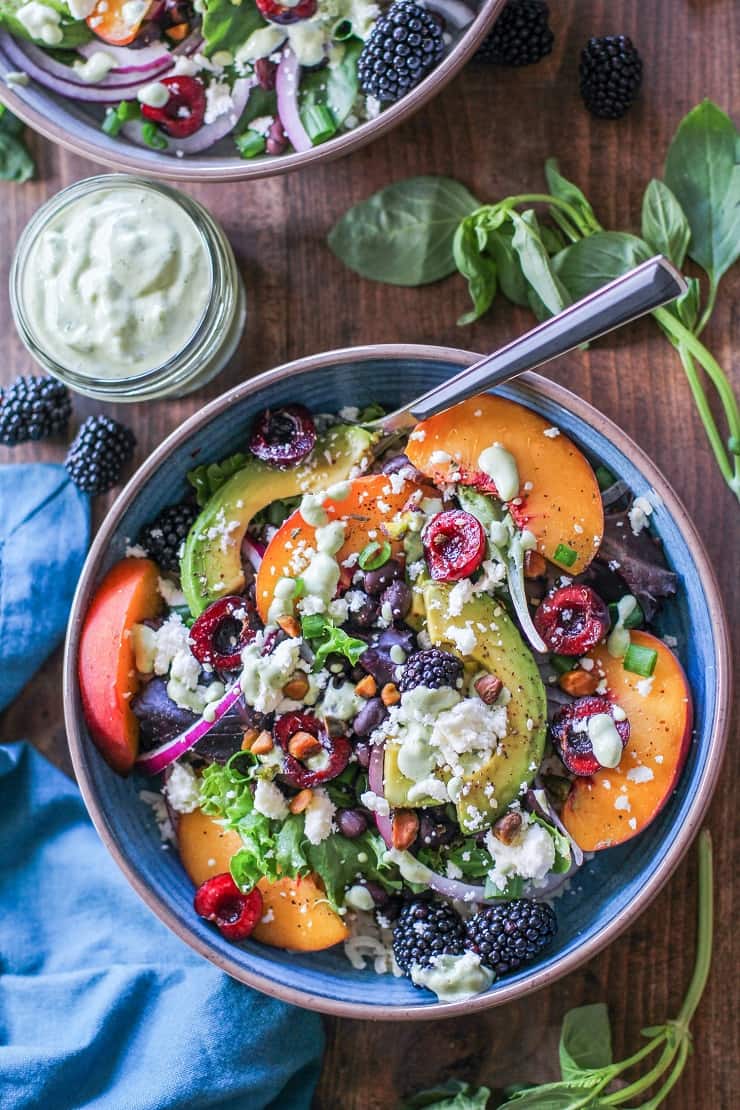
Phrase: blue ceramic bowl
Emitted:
{"points": [[613, 888]]}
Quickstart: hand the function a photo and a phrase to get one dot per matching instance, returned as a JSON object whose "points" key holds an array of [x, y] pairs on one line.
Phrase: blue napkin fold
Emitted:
{"points": [[44, 535], [100, 1005]]}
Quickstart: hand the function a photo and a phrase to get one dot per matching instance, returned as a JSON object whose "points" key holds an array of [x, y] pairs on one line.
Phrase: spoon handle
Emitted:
{"points": [[635, 293]]}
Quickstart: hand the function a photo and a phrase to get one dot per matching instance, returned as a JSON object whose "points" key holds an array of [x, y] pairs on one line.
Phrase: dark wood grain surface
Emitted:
{"points": [[493, 130]]}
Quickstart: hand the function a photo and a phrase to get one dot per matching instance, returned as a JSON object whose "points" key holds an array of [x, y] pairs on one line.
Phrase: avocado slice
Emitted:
{"points": [[500, 651], [211, 565]]}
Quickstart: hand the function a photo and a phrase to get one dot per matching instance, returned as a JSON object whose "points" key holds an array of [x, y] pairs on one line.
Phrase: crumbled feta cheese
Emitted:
{"points": [[638, 514], [319, 816], [263, 676], [270, 801], [640, 774], [181, 788], [551, 433], [375, 803], [531, 855]]}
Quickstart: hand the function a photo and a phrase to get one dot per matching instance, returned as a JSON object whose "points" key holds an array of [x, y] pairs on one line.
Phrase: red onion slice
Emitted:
{"points": [[210, 133], [151, 763], [253, 552], [449, 888], [286, 87], [128, 60], [46, 71], [375, 781]]}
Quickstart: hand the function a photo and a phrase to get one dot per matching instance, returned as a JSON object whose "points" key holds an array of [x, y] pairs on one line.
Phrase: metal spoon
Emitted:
{"points": [[648, 286]]}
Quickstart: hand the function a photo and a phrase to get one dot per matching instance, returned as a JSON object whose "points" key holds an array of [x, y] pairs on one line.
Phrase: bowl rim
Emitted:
{"points": [[584, 411], [133, 159]]}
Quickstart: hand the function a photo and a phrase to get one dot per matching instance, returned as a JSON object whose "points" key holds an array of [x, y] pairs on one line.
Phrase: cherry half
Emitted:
{"points": [[569, 731], [222, 631], [219, 900], [283, 437], [185, 110], [285, 13], [572, 620], [454, 544], [337, 750]]}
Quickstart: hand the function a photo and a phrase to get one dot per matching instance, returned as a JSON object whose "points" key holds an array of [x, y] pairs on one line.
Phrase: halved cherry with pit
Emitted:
{"points": [[236, 914], [570, 735], [283, 437], [222, 631], [572, 620], [286, 13], [185, 110], [454, 544], [304, 738]]}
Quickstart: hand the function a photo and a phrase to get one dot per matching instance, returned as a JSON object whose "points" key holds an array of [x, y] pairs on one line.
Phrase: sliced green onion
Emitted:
{"points": [[250, 144], [112, 123], [342, 30], [373, 411], [565, 555], [152, 136], [375, 555], [313, 625], [640, 660], [635, 619], [563, 663], [604, 477], [300, 588], [128, 110], [319, 123]]}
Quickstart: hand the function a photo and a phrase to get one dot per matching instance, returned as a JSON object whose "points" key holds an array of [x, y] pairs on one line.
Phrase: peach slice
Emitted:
{"points": [[108, 22], [560, 498], [366, 510], [127, 595], [614, 805], [296, 914]]}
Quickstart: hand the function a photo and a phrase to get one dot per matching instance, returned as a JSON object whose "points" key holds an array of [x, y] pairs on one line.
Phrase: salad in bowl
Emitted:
{"points": [[393, 695], [180, 76]]}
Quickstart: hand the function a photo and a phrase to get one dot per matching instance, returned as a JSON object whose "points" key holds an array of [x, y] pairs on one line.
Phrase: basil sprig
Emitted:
{"points": [[16, 163], [423, 229]]}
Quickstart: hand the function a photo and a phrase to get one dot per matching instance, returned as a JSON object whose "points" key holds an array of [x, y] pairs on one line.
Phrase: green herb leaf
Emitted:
{"points": [[664, 224], [535, 263], [477, 268], [403, 234], [333, 88], [16, 164], [585, 1040], [565, 190], [703, 173], [341, 862], [10, 124], [554, 1096], [331, 640], [452, 1095], [209, 477], [508, 267], [587, 265], [75, 32], [227, 26]]}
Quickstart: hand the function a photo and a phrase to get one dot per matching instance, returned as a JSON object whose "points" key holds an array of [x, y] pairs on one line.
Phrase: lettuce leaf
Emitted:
{"points": [[74, 31], [340, 862], [227, 26]]}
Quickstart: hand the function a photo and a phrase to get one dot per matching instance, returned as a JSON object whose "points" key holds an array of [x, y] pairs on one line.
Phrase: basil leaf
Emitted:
{"points": [[585, 1040], [227, 26], [16, 164], [686, 307], [478, 269], [553, 1096], [403, 234], [508, 267], [593, 262], [341, 862], [565, 190], [262, 102], [452, 1095], [703, 173], [664, 224], [536, 267], [10, 124]]}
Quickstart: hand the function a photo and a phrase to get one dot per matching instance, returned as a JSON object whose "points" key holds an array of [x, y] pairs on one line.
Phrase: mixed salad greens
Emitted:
{"points": [[181, 75], [397, 692]]}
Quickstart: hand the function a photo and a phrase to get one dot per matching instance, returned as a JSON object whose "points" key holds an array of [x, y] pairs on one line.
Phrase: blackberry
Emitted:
{"points": [[611, 75], [510, 934], [521, 35], [433, 668], [99, 453], [163, 538], [402, 47], [33, 408], [425, 930]]}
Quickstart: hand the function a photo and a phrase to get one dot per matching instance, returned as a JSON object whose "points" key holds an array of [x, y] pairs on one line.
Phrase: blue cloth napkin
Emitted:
{"points": [[100, 1005], [44, 534]]}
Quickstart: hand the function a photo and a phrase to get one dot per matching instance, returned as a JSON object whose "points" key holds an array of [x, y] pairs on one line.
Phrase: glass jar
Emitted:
{"points": [[208, 340]]}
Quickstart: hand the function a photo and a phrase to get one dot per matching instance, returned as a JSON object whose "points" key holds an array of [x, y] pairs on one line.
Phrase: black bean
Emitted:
{"points": [[366, 615], [370, 717], [351, 823], [377, 580], [398, 597]]}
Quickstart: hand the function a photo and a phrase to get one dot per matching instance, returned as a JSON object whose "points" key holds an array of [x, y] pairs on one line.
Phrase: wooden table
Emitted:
{"points": [[493, 129]]}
